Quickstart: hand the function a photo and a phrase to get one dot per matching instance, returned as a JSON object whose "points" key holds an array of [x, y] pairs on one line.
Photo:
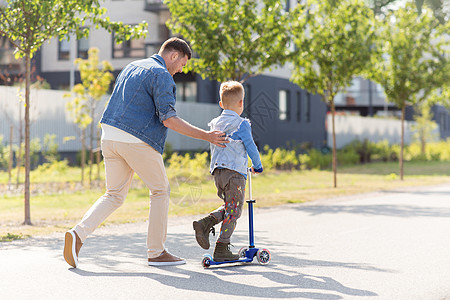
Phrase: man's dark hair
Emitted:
{"points": [[176, 44]]}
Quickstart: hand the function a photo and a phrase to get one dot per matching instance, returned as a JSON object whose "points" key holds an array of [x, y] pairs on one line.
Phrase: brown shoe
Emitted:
{"points": [[166, 259], [202, 229], [72, 246], [222, 252]]}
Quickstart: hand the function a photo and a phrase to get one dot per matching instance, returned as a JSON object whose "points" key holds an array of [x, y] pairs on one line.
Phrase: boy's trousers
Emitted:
{"points": [[231, 188], [122, 160]]}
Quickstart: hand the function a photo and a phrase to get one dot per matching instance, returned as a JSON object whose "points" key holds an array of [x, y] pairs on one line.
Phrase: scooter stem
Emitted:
{"points": [[249, 175], [250, 202]]}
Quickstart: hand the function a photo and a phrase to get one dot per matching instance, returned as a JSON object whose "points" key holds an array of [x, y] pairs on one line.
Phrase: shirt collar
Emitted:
{"points": [[230, 112], [159, 58]]}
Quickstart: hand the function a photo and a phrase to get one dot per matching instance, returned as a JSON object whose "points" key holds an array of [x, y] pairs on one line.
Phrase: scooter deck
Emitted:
{"points": [[241, 260]]}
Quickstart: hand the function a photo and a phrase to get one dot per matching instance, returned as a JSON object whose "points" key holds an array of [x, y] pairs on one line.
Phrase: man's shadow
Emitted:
{"points": [[283, 282]]}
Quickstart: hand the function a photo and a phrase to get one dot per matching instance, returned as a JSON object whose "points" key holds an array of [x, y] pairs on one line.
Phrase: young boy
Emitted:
{"points": [[229, 168]]}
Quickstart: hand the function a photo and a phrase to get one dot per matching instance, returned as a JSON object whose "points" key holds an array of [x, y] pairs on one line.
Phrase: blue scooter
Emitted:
{"points": [[246, 254]]}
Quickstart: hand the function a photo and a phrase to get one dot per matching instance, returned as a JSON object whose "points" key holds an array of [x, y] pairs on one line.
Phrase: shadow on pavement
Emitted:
{"points": [[212, 282], [109, 251]]}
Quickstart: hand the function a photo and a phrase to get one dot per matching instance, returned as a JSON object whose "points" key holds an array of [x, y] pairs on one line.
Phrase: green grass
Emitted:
{"points": [[11, 237], [58, 212]]}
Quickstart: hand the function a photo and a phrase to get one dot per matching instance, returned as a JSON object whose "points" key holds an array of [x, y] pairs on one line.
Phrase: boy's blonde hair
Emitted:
{"points": [[231, 92]]}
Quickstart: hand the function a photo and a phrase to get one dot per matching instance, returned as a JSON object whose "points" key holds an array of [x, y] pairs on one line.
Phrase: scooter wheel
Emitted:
{"points": [[242, 252], [263, 256], [206, 262]]}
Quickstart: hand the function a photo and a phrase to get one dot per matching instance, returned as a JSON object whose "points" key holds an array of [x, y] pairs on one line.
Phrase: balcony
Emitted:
{"points": [[155, 6]]}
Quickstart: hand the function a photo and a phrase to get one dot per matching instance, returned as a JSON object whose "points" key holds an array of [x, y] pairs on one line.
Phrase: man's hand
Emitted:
{"points": [[181, 126], [217, 138]]}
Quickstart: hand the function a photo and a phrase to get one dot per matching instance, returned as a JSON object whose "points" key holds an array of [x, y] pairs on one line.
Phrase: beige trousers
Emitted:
{"points": [[121, 161]]}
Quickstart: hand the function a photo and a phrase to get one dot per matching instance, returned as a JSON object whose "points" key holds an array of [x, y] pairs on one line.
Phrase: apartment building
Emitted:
{"points": [[366, 98], [280, 111]]}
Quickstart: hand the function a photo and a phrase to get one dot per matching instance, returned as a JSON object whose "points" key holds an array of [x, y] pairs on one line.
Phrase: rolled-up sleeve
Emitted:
{"points": [[164, 95]]}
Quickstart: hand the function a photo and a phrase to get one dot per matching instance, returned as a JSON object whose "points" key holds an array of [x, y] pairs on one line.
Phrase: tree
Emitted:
{"points": [[424, 125], [437, 6], [414, 59], [441, 96], [339, 45], [232, 39], [29, 23], [95, 81]]}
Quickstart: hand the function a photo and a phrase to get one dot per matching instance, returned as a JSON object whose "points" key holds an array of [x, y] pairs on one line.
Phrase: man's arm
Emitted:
{"points": [[181, 126]]}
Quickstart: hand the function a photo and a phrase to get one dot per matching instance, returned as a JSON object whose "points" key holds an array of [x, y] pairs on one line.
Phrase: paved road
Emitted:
{"points": [[389, 245]]}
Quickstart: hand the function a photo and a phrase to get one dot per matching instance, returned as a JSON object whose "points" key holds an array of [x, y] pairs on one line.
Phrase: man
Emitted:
{"points": [[134, 130]]}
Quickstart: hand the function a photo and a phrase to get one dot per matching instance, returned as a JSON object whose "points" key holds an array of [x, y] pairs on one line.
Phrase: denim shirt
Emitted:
{"points": [[234, 155], [143, 97]]}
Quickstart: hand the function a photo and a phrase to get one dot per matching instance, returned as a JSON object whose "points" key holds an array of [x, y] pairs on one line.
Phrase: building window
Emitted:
{"points": [[283, 105], [129, 49], [308, 107], [187, 91], [83, 47], [64, 50], [299, 107]]}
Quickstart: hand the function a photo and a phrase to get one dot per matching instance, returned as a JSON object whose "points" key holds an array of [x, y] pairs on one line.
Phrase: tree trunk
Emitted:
{"points": [[27, 140], [98, 152], [91, 142], [402, 142], [19, 156], [11, 130], [334, 142], [91, 155], [423, 143], [83, 154]]}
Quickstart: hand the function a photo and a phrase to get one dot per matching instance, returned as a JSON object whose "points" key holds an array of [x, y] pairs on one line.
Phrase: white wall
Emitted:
{"points": [[198, 114], [349, 128], [48, 115]]}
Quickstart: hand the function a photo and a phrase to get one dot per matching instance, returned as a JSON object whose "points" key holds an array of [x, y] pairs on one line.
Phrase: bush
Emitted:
{"points": [[436, 151], [280, 159], [364, 149], [304, 160], [195, 167], [348, 157], [266, 158], [384, 152], [4, 154], [413, 153], [188, 168], [51, 169], [317, 160], [50, 148]]}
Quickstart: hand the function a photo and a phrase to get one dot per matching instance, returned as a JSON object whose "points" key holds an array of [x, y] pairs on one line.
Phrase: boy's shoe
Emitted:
{"points": [[166, 259], [222, 253], [202, 229], [72, 246]]}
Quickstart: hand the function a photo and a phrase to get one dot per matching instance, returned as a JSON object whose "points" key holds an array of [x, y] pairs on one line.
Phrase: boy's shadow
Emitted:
{"points": [[211, 283], [284, 282]]}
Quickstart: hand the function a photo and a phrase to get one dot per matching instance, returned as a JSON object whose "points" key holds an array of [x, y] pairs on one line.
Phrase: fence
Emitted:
{"points": [[48, 115], [349, 128]]}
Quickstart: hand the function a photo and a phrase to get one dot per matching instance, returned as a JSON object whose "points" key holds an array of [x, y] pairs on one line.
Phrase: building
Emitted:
{"points": [[280, 111], [366, 98]]}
